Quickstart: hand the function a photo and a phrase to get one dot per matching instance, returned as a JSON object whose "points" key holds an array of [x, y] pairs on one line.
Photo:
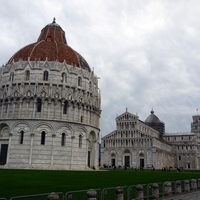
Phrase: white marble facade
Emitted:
{"points": [[135, 144], [49, 110]]}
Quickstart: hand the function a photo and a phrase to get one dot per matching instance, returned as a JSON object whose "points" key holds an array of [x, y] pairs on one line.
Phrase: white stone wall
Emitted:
{"points": [[19, 96], [132, 139], [19, 112], [186, 149], [143, 142], [51, 155]]}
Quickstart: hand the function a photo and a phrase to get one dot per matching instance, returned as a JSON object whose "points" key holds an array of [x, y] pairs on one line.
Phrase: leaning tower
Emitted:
{"points": [[49, 106]]}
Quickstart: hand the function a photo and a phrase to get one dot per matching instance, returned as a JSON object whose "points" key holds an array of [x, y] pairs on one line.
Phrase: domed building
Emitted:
{"points": [[138, 144], [153, 121], [49, 106], [134, 144]]}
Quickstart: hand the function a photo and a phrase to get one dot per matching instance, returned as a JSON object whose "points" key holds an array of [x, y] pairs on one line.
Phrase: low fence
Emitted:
{"points": [[82, 194], [53, 195], [133, 192]]}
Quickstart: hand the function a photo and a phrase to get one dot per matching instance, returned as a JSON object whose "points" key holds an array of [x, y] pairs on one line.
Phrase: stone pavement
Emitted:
{"points": [[191, 196]]}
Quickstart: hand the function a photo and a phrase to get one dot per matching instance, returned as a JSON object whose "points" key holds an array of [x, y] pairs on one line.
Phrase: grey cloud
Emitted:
{"points": [[145, 52]]}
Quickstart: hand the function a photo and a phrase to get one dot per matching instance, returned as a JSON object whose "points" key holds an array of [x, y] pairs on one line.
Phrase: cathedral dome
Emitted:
{"points": [[152, 118], [153, 121], [52, 46]]}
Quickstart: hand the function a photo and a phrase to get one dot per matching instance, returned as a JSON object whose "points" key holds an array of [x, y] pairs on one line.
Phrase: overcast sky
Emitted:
{"points": [[146, 52]]}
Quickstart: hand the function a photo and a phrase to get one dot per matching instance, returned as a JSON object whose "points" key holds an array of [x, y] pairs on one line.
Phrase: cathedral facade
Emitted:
{"points": [[137, 144], [49, 106]]}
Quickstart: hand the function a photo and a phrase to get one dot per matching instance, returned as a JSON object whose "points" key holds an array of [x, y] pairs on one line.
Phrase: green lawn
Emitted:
{"points": [[26, 182]]}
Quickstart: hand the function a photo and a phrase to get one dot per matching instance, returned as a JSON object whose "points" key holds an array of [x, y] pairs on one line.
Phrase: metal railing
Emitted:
{"points": [[147, 191], [132, 189], [81, 194], [109, 193], [38, 196], [150, 189]]}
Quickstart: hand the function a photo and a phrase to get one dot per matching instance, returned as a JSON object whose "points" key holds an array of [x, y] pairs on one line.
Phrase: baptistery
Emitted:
{"points": [[49, 106]]}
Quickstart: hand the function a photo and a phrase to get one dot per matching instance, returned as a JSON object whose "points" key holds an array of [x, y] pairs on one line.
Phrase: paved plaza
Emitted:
{"points": [[191, 196]]}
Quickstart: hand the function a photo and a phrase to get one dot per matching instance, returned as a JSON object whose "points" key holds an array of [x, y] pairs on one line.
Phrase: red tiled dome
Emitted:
{"points": [[51, 45]]}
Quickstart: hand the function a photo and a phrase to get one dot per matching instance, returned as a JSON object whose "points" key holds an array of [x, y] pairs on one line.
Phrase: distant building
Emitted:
{"points": [[49, 106], [139, 144]]}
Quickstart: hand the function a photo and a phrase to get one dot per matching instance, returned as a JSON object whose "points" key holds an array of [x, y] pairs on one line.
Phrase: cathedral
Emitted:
{"points": [[137, 144], [49, 106]]}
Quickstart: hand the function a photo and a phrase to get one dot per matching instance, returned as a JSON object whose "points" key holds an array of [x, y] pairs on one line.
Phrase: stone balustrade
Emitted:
{"points": [[194, 184], [186, 185], [53, 196], [119, 195], [155, 190], [178, 187], [167, 188]]}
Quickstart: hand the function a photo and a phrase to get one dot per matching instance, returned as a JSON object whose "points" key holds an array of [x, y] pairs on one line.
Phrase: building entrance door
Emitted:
{"points": [[141, 163], [3, 155], [127, 161], [113, 162], [88, 159], [188, 165]]}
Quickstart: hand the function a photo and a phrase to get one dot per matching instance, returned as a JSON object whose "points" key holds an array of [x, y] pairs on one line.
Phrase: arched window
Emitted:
{"points": [[6, 106], [27, 75], [79, 81], [49, 38], [45, 76], [65, 108], [39, 105], [63, 139], [21, 137], [43, 134], [64, 77], [90, 85], [11, 76], [126, 151], [80, 138], [81, 118]]}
